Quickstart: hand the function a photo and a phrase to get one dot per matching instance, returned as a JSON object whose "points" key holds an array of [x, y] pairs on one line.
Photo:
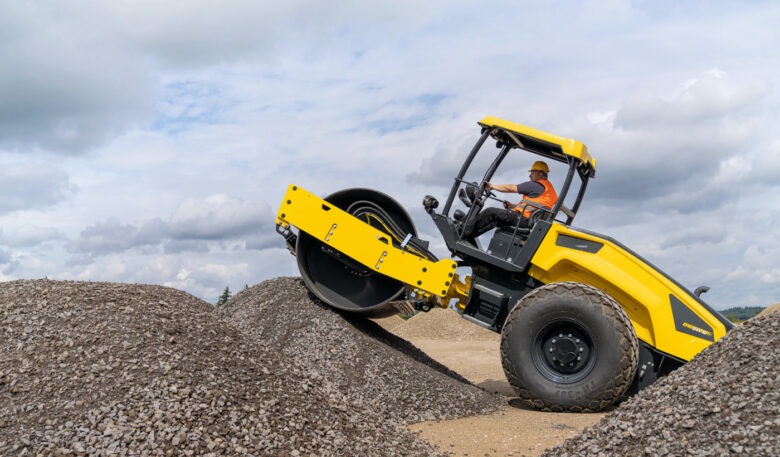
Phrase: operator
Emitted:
{"points": [[538, 190]]}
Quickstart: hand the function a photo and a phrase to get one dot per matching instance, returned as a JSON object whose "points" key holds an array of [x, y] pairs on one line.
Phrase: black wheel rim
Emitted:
{"points": [[563, 351]]}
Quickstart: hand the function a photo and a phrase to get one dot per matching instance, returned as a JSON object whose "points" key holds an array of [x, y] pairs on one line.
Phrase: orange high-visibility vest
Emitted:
{"points": [[546, 199]]}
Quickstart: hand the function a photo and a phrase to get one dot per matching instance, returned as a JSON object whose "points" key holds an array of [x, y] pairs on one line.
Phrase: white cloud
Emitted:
{"points": [[733, 170], [26, 186], [772, 276], [766, 164], [217, 216], [606, 118], [145, 141], [194, 226], [30, 235], [73, 85]]}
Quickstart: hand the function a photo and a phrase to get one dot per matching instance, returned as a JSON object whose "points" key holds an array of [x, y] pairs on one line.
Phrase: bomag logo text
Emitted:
{"points": [[696, 329]]}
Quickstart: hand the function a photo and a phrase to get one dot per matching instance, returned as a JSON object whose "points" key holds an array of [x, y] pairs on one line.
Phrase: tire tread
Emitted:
{"points": [[611, 392]]}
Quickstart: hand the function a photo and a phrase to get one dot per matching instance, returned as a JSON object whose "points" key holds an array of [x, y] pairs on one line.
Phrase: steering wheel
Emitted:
{"points": [[466, 194], [474, 194]]}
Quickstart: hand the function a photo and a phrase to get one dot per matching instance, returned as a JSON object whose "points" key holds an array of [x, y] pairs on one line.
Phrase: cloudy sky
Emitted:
{"points": [[151, 142]]}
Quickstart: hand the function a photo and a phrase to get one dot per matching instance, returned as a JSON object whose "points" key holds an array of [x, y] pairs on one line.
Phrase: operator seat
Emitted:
{"points": [[507, 240]]}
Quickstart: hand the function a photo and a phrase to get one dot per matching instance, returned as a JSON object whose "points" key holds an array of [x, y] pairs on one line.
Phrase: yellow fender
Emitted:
{"points": [[664, 314]]}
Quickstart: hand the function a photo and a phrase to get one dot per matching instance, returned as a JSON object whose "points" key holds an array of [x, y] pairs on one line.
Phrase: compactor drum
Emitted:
{"points": [[584, 321], [343, 282]]}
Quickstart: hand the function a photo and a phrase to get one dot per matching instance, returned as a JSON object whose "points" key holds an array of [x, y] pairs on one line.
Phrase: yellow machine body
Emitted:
{"points": [[566, 254], [664, 315], [646, 294], [357, 251]]}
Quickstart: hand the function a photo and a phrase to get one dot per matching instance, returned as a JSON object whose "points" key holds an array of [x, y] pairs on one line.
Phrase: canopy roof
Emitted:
{"points": [[539, 142]]}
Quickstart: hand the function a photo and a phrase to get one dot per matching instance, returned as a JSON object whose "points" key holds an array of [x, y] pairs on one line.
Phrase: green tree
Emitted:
{"points": [[223, 298]]}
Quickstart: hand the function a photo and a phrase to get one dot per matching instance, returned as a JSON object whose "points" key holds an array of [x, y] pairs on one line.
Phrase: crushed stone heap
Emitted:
{"points": [[356, 356], [121, 369], [770, 310], [439, 323], [725, 402]]}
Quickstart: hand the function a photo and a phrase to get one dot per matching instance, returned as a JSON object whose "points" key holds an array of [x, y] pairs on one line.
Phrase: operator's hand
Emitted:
{"points": [[508, 204]]}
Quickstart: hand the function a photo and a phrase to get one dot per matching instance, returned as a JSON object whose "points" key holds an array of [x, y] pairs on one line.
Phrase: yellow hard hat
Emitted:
{"points": [[540, 166]]}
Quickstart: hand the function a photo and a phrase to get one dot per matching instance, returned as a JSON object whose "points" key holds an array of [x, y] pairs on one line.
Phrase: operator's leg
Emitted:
{"points": [[489, 218]]}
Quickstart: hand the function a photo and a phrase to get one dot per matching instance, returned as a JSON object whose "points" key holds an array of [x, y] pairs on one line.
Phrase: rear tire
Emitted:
{"points": [[569, 347]]}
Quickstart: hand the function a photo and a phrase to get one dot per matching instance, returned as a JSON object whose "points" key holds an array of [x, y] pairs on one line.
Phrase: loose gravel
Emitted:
{"points": [[439, 323], [770, 310], [119, 369], [725, 402], [126, 369], [373, 367]]}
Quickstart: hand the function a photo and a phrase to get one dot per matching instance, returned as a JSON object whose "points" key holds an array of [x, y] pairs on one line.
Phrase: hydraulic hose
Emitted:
{"points": [[369, 212]]}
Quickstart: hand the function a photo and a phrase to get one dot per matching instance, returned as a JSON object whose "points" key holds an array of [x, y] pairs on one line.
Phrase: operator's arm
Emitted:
{"points": [[503, 187], [529, 188]]}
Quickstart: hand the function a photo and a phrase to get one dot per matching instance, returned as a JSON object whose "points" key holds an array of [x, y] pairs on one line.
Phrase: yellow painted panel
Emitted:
{"points": [[642, 291], [362, 242]]}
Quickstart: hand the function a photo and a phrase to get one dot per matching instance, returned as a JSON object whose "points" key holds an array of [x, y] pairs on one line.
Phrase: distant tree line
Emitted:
{"points": [[741, 313]]}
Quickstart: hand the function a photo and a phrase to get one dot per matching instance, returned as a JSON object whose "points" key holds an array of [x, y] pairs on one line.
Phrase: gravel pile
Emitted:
{"points": [[119, 369], [725, 402], [374, 368], [770, 310], [439, 323]]}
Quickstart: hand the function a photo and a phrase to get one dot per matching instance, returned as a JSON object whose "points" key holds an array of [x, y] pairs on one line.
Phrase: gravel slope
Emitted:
{"points": [[119, 369], [373, 367], [126, 369], [725, 402]]}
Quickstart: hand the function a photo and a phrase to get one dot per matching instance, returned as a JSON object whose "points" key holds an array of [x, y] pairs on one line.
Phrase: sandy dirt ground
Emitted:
{"points": [[474, 354]]}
